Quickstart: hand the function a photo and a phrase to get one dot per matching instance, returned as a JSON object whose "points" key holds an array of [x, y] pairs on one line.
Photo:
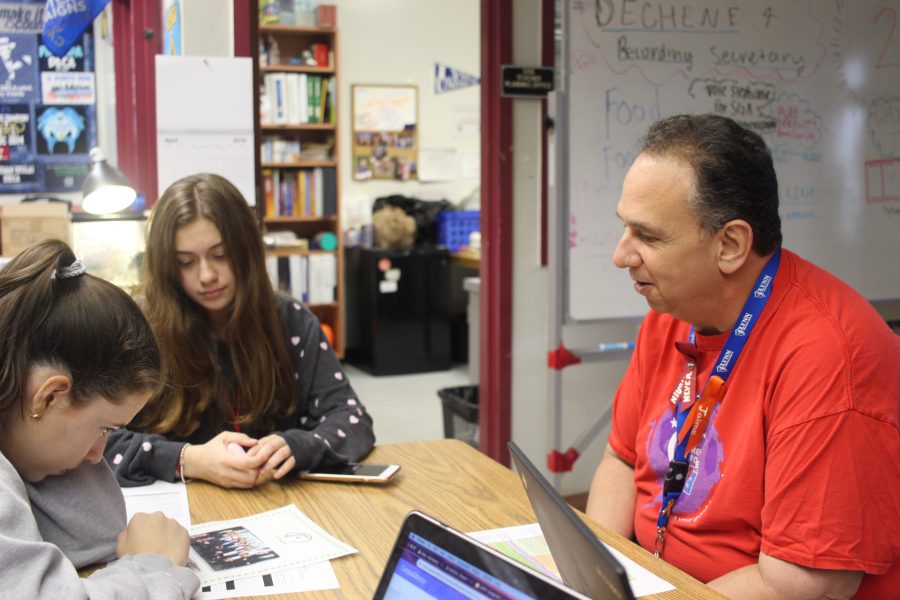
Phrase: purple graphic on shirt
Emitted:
{"points": [[706, 462]]}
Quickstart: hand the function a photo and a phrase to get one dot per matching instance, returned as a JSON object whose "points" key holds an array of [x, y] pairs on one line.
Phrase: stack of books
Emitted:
{"points": [[300, 193], [310, 278], [297, 99], [279, 150]]}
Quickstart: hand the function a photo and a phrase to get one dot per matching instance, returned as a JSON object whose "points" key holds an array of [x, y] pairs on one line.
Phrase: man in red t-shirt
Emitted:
{"points": [[791, 487]]}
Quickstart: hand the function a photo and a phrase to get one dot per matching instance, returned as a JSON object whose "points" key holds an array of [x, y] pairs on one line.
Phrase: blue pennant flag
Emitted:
{"points": [[448, 79], [65, 20]]}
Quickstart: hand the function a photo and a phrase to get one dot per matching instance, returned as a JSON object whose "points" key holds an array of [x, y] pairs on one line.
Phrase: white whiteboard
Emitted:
{"points": [[819, 79]]}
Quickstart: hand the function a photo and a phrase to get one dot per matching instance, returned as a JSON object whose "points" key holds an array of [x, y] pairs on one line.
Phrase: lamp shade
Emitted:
{"points": [[106, 189]]}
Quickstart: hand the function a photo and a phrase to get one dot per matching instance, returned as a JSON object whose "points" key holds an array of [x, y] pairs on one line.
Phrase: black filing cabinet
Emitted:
{"points": [[403, 310]]}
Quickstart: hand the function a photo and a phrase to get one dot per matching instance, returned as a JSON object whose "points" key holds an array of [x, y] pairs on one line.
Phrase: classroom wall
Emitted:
{"points": [[207, 27], [399, 42], [588, 388]]}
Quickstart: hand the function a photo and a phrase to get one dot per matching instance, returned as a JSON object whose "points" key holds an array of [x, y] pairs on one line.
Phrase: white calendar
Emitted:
{"points": [[204, 120]]}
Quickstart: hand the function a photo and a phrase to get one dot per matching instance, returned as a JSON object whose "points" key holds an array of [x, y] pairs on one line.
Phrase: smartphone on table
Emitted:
{"points": [[352, 473]]}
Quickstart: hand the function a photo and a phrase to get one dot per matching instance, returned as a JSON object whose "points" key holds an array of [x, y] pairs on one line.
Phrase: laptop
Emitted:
{"points": [[431, 560], [584, 563]]}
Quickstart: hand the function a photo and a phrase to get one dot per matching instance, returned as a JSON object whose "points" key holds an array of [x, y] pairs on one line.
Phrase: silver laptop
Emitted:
{"points": [[584, 563], [432, 560]]}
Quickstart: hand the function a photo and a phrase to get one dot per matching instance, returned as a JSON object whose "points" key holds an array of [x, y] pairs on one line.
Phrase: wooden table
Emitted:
{"points": [[444, 478]]}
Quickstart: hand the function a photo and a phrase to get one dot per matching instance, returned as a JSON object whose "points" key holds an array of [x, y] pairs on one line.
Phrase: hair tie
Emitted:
{"points": [[76, 269]]}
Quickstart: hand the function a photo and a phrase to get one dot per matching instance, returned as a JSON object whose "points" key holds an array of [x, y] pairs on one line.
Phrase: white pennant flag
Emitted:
{"points": [[448, 79]]}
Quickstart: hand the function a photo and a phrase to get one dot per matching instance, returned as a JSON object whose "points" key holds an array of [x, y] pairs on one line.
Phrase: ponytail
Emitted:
{"points": [[52, 313]]}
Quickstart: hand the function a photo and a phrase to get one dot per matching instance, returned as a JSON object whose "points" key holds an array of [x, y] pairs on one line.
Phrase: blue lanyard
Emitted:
{"points": [[688, 432]]}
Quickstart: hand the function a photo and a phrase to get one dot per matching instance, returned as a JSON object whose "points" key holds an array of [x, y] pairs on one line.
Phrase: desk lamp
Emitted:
{"points": [[106, 189]]}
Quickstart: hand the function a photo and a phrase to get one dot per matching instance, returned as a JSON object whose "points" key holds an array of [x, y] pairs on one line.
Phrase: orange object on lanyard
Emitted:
{"points": [[698, 417]]}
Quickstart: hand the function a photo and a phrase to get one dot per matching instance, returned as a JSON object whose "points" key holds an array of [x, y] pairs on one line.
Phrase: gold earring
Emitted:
{"points": [[35, 415]]}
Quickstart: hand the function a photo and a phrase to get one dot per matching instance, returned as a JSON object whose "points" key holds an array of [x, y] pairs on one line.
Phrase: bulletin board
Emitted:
{"points": [[47, 107], [818, 79], [385, 132]]}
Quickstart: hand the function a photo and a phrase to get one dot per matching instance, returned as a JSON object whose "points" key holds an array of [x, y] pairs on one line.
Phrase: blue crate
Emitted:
{"points": [[454, 227]]}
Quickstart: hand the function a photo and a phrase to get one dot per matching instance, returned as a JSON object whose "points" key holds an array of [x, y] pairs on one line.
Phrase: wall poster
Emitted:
{"points": [[385, 132], [47, 106]]}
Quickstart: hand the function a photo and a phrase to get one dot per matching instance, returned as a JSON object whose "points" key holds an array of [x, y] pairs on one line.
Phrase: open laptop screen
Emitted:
{"points": [[583, 561], [431, 560]]}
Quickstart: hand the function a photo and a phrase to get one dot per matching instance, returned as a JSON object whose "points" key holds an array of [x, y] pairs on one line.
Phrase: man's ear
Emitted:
{"points": [[735, 244], [49, 392]]}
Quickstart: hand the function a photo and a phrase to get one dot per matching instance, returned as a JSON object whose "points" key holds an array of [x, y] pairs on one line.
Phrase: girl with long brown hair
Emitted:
{"points": [[254, 390]]}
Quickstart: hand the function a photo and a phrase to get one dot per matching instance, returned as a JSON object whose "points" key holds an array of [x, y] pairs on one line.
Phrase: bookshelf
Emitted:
{"points": [[298, 167]]}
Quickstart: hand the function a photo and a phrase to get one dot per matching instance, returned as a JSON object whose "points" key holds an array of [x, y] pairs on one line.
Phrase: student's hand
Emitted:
{"points": [[156, 533], [276, 455], [213, 462]]}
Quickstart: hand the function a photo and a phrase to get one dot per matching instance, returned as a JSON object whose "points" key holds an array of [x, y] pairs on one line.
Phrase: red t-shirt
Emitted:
{"points": [[802, 457]]}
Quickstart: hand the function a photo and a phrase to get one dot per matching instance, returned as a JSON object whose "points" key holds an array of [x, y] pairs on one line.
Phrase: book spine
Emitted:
{"points": [[318, 184], [332, 91], [269, 193], [284, 274], [272, 270], [292, 98], [298, 285], [329, 193], [303, 94], [276, 193], [280, 99], [322, 98], [301, 179], [313, 81]]}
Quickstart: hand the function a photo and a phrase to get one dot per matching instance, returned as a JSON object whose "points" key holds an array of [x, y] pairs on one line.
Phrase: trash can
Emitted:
{"points": [[460, 406]]}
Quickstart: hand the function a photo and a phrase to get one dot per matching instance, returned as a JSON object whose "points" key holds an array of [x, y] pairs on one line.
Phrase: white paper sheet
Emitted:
{"points": [[527, 542], [318, 576], [438, 164], [168, 498], [171, 499], [261, 543]]}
